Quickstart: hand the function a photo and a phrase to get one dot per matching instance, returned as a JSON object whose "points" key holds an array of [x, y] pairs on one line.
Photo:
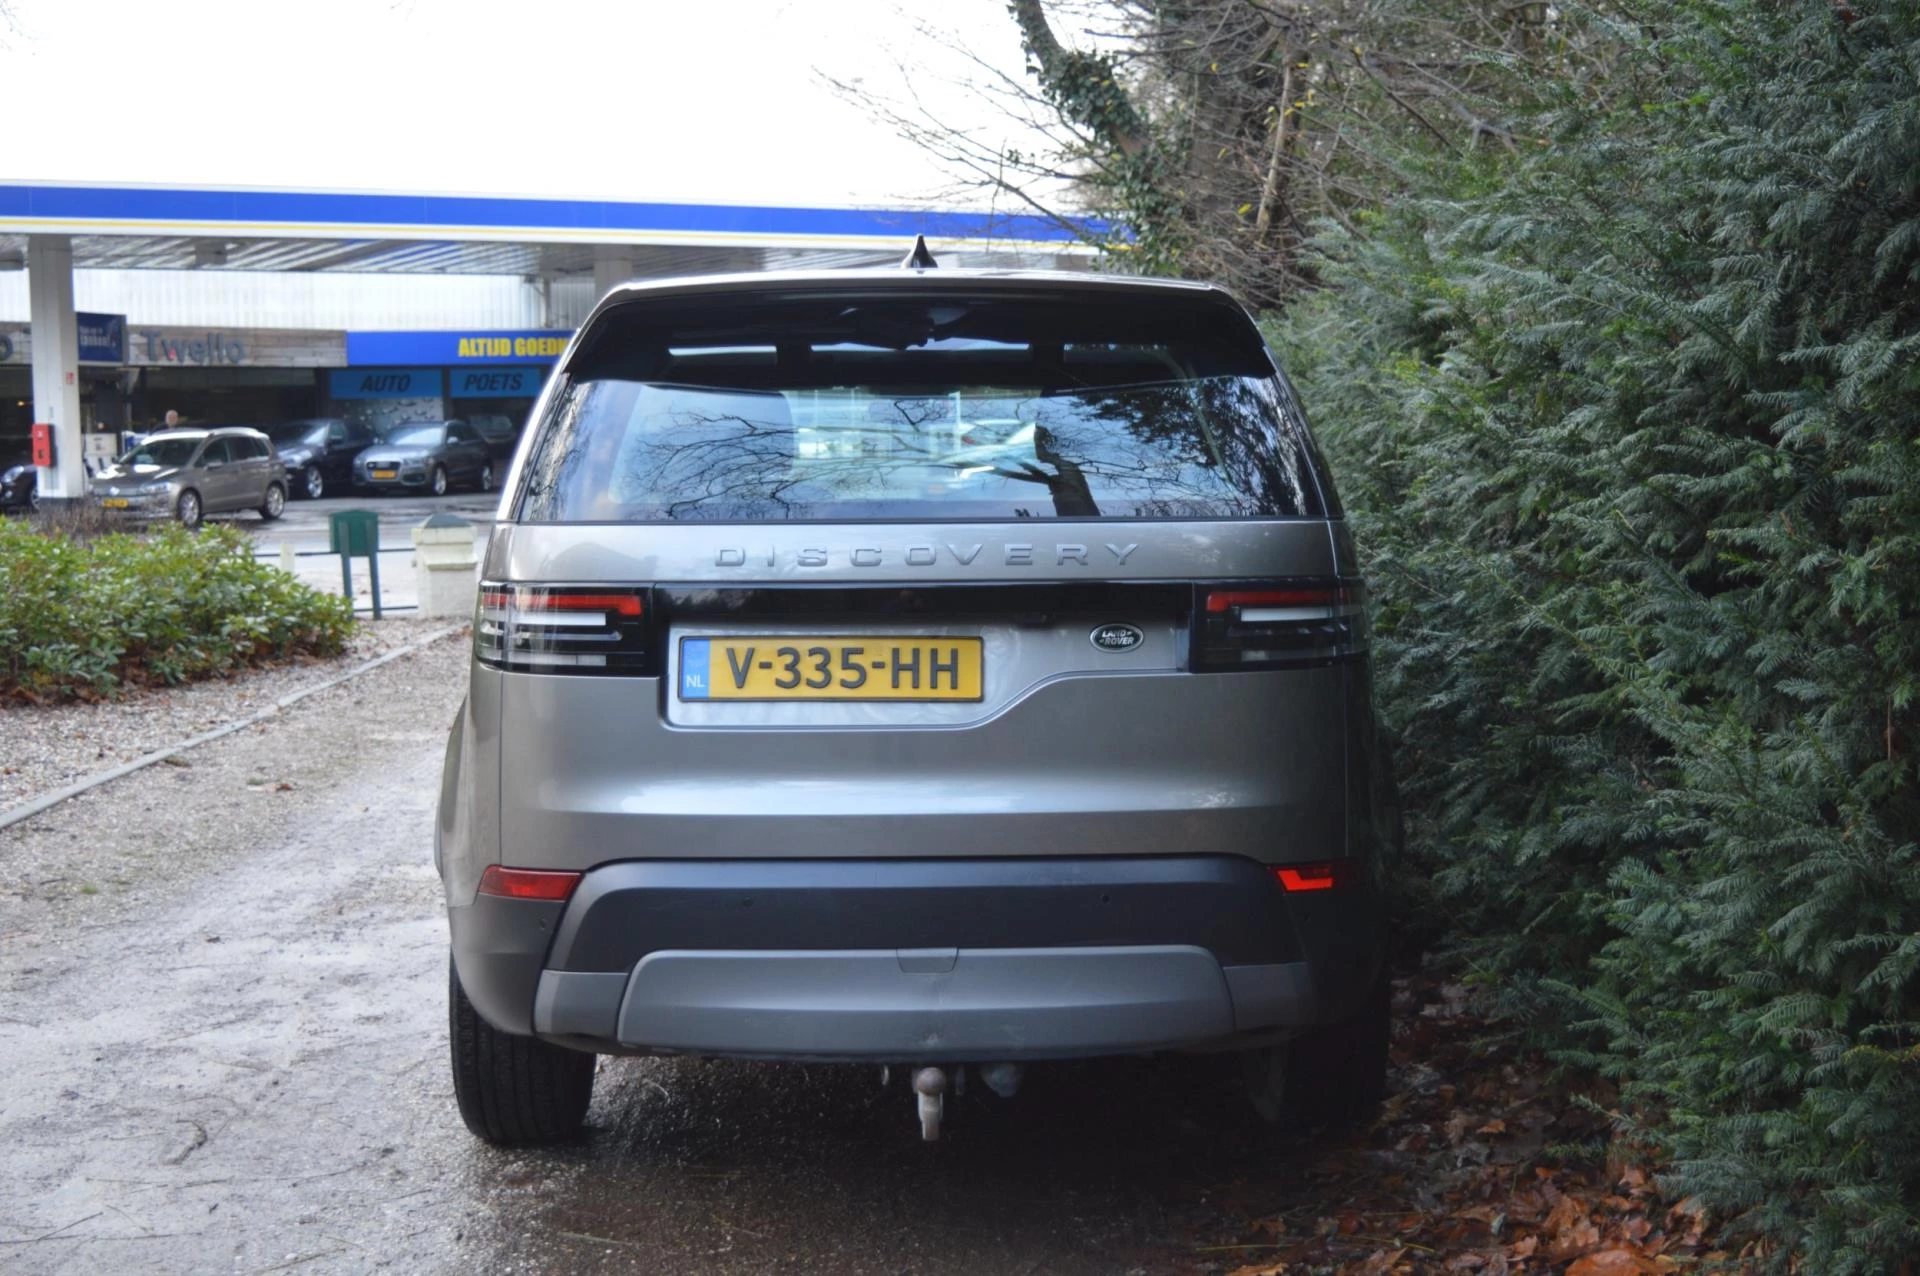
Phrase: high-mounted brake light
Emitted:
{"points": [[1305, 622], [1296, 878], [562, 628], [527, 883]]}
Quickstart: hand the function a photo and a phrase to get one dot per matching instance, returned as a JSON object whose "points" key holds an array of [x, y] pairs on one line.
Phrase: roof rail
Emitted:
{"points": [[921, 258]]}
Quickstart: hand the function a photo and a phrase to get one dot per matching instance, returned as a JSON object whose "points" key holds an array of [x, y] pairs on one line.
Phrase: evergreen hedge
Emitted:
{"points": [[85, 618], [1630, 423]]}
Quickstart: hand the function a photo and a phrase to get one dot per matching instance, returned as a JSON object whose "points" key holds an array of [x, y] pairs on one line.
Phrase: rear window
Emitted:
{"points": [[841, 407]]}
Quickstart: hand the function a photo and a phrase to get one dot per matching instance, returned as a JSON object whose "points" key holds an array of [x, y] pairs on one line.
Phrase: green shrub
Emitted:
{"points": [[1631, 425], [88, 618]]}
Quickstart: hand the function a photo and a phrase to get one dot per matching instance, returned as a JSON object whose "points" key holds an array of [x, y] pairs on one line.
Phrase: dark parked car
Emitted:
{"points": [[319, 453], [427, 454], [501, 433], [19, 489]]}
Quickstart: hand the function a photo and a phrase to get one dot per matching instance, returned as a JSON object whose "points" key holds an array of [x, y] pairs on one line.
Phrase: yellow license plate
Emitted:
{"points": [[114, 502], [384, 473], [786, 667]]}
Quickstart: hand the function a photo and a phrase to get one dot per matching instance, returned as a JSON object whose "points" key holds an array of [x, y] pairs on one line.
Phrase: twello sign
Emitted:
{"points": [[216, 348]]}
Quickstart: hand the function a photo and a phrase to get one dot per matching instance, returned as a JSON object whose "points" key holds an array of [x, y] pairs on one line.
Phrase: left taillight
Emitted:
{"points": [[589, 629], [1270, 626], [528, 883]]}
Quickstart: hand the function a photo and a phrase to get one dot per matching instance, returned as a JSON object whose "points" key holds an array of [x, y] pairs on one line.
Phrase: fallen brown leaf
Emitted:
{"points": [[1614, 1262]]}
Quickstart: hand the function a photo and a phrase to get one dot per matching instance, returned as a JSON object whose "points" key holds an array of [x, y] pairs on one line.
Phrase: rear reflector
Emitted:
{"points": [[527, 883], [1291, 623], [562, 628], [1296, 878]]}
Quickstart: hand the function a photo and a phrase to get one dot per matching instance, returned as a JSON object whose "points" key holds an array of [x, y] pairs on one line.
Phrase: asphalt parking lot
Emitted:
{"points": [[304, 529], [305, 522]]}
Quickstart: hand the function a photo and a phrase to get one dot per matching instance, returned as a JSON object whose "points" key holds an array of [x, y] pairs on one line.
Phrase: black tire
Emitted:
{"points": [[437, 481], [485, 482], [189, 510], [313, 484], [275, 504], [514, 1091], [1333, 1075]]}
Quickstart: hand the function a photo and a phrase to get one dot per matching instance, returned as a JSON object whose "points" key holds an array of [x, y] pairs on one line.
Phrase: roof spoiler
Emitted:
{"points": [[921, 258]]}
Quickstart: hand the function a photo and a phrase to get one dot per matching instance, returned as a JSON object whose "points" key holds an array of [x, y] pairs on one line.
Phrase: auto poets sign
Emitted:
{"points": [[493, 383], [384, 383]]}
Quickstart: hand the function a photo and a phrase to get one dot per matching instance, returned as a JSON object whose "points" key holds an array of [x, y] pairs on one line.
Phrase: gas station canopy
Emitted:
{"points": [[144, 227], [52, 230]]}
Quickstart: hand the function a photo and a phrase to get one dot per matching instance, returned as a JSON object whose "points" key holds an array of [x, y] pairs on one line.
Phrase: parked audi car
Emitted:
{"points": [[188, 474], [982, 682], [319, 453], [19, 489], [429, 455]]}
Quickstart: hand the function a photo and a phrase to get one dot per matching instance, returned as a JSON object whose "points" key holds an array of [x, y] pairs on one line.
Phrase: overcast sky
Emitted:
{"points": [[709, 101]]}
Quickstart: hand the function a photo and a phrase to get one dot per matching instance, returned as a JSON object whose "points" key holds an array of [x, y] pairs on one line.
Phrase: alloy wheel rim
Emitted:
{"points": [[315, 483], [439, 482]]}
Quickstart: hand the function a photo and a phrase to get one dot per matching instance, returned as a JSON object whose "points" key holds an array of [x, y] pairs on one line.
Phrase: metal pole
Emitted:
{"points": [[346, 577], [56, 363], [373, 566]]}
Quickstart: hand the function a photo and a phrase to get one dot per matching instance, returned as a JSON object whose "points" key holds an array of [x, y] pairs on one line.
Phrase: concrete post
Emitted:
{"points": [[612, 266], [56, 363], [446, 568]]}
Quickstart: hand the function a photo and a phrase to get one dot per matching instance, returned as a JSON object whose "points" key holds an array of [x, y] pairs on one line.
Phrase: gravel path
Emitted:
{"points": [[43, 749], [222, 1016]]}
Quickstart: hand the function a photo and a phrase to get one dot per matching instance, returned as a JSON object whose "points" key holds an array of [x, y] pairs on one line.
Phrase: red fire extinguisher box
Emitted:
{"points": [[42, 444]]}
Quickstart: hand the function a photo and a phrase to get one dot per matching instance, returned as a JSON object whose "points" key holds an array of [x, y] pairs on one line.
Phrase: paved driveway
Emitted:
{"points": [[222, 1020]]}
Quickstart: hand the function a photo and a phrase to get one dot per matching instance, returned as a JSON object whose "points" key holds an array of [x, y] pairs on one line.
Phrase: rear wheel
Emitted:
{"points": [[275, 504], [187, 509], [514, 1091], [1333, 1075]]}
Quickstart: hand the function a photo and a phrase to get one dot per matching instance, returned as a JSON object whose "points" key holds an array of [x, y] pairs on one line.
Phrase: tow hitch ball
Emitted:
{"points": [[930, 1086]]}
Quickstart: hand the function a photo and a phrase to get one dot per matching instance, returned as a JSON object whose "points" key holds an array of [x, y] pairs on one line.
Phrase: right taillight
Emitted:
{"points": [[562, 628], [1269, 626]]}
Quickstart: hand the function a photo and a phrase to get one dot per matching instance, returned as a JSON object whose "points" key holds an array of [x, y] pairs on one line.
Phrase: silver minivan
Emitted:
{"points": [[189, 474], [947, 670]]}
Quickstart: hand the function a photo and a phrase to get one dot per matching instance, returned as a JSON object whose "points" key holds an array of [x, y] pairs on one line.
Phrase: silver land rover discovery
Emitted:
{"points": [[953, 670]]}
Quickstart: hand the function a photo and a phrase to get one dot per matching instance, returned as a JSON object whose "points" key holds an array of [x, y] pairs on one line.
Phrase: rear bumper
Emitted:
{"points": [[906, 961]]}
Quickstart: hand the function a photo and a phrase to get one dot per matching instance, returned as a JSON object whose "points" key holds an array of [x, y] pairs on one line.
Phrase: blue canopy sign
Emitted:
{"points": [[103, 338]]}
